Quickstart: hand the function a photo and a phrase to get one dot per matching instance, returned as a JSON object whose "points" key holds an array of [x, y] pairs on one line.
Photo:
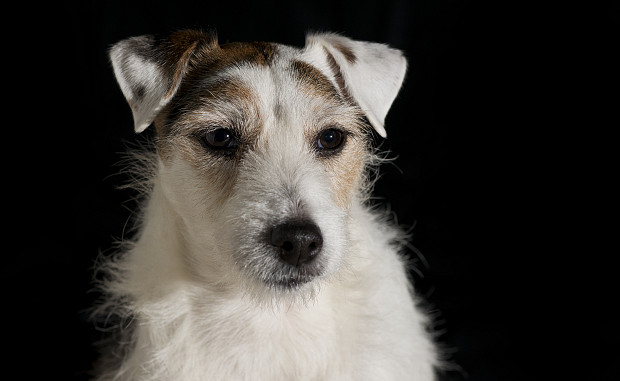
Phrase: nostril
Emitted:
{"points": [[287, 246], [298, 242]]}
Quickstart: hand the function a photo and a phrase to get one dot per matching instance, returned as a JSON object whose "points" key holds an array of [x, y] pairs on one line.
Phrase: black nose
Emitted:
{"points": [[299, 242]]}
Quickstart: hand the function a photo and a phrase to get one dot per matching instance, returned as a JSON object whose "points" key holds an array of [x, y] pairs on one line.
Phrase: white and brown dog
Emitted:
{"points": [[257, 256]]}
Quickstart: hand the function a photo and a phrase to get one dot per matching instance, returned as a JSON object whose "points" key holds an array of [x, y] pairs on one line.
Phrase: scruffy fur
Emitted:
{"points": [[203, 292]]}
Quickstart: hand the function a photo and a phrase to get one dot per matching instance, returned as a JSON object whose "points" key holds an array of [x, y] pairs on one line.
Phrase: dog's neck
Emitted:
{"points": [[159, 236]]}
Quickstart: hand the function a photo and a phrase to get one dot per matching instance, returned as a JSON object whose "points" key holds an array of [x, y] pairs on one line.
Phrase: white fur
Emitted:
{"points": [[192, 281]]}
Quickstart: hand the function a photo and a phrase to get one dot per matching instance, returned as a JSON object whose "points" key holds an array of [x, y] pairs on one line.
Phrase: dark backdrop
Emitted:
{"points": [[465, 129]]}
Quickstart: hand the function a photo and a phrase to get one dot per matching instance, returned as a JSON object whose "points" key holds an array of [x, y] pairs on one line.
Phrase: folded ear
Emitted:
{"points": [[370, 73], [149, 71]]}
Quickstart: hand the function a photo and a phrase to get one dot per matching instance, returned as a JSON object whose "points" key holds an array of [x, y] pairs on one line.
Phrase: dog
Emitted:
{"points": [[257, 255]]}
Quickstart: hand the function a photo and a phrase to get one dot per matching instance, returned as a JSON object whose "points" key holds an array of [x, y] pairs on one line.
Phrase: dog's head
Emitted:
{"points": [[262, 148]]}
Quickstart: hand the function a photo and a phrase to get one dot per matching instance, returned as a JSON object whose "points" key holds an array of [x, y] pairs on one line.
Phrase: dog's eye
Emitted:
{"points": [[220, 138], [330, 139]]}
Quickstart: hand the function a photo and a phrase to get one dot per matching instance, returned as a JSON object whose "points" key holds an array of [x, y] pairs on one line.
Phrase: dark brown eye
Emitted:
{"points": [[221, 138], [330, 139]]}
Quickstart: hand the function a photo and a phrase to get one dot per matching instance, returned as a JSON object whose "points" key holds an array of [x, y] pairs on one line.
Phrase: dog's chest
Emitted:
{"points": [[301, 343]]}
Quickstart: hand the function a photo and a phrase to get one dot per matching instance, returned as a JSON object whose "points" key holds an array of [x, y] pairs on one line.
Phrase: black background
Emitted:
{"points": [[475, 129]]}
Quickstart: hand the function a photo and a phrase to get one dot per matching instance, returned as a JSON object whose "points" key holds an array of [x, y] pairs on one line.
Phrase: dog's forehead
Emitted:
{"points": [[267, 73]]}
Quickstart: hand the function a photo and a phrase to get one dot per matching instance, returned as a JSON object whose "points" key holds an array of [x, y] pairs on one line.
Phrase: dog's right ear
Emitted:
{"points": [[149, 70], [370, 73]]}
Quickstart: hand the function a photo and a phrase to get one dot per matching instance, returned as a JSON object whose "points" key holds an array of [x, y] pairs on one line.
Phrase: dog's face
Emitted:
{"points": [[262, 147]]}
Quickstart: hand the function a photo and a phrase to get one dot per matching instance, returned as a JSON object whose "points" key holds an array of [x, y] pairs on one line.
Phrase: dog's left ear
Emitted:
{"points": [[370, 73]]}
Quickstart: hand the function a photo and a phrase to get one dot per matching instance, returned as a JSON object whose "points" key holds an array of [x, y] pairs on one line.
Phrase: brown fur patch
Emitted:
{"points": [[346, 171], [206, 59], [257, 53], [313, 80]]}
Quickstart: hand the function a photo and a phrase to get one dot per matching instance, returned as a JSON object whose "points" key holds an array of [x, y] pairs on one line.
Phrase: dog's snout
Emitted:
{"points": [[298, 242]]}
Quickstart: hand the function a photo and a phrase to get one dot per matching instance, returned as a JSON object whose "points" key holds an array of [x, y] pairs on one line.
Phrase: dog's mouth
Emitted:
{"points": [[284, 277], [292, 282], [267, 267]]}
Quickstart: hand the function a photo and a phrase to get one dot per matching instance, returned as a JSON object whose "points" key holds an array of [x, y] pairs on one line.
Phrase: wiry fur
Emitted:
{"points": [[198, 293]]}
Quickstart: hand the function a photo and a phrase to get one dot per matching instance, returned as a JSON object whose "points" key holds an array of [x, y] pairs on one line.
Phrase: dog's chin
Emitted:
{"points": [[283, 285], [287, 278]]}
